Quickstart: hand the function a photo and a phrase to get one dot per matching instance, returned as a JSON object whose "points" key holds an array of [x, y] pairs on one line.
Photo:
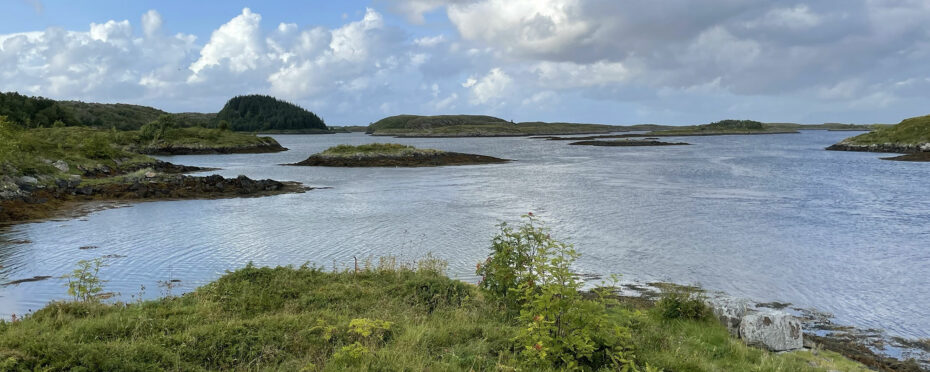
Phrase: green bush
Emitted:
{"points": [[529, 272], [682, 304], [97, 146]]}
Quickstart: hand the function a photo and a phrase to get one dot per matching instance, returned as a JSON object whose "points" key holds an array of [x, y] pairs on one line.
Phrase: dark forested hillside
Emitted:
{"points": [[33, 112], [265, 113]]}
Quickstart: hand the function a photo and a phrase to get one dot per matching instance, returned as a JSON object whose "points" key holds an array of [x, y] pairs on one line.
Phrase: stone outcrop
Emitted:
{"points": [[412, 160], [772, 330], [882, 147]]}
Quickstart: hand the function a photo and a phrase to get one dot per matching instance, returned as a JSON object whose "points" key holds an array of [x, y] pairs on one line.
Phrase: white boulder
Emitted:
{"points": [[772, 330]]}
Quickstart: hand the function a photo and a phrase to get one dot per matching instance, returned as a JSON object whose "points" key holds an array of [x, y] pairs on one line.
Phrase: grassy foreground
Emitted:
{"points": [[381, 317]]}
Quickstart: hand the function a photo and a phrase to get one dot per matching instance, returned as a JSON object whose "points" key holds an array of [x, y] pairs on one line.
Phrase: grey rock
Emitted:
{"points": [[27, 180], [772, 330], [730, 311], [61, 165], [150, 174]]}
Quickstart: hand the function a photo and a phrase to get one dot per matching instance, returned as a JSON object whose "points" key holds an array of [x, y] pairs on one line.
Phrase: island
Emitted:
{"points": [[630, 143], [249, 113], [391, 155], [49, 172], [910, 137], [475, 126]]}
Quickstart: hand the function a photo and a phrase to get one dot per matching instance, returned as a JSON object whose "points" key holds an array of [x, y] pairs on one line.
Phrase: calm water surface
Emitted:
{"points": [[772, 218]]}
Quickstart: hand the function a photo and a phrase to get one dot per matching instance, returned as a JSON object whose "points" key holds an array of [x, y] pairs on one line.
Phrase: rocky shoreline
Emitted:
{"points": [[32, 201], [913, 152], [781, 327], [208, 150], [412, 160], [631, 143]]}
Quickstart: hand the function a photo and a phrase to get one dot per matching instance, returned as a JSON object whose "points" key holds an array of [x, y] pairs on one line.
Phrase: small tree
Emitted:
{"points": [[529, 272], [84, 282], [223, 125]]}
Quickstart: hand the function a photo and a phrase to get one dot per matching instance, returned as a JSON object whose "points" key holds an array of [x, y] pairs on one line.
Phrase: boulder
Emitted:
{"points": [[27, 180], [61, 165], [772, 330], [151, 174], [730, 311]]}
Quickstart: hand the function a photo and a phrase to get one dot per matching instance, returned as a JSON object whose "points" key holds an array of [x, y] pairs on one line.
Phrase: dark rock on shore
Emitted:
{"points": [[203, 150], [913, 152], [628, 143], [51, 201], [102, 171], [414, 160]]}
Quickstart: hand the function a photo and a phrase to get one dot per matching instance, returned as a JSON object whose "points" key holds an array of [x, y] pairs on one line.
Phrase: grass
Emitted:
{"points": [[909, 132], [198, 137], [375, 149], [381, 316], [31, 152]]}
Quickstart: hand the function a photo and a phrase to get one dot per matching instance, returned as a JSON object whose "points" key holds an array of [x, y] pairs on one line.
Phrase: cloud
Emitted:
{"points": [[571, 60], [236, 45], [493, 86]]}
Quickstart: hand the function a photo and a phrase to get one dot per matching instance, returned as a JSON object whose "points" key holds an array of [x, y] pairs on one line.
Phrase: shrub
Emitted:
{"points": [[530, 272], [682, 304], [84, 282], [97, 146]]}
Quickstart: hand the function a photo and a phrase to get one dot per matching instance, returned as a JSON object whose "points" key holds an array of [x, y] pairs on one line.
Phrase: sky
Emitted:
{"points": [[596, 61]]}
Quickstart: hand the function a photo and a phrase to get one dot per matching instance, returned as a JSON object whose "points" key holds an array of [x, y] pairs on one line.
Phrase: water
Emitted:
{"points": [[772, 218]]}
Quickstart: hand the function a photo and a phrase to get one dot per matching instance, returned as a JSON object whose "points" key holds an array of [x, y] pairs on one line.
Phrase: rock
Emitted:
{"points": [[772, 330], [150, 174], [61, 165], [27, 180], [74, 178], [730, 311]]}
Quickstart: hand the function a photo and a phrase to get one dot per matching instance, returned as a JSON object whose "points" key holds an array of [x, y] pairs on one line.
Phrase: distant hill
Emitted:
{"points": [[35, 112], [112, 115], [265, 113], [473, 126]]}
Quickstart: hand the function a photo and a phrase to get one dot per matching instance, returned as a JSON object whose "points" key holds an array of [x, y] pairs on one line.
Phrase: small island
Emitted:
{"points": [[391, 155], [910, 137], [630, 143], [51, 172], [476, 126]]}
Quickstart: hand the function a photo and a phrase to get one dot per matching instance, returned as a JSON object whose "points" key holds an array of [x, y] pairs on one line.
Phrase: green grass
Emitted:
{"points": [[31, 152], [384, 316], [909, 132], [199, 137], [375, 149]]}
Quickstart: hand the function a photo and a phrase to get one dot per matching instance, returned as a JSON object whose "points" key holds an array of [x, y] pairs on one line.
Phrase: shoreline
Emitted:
{"points": [[74, 199], [415, 160], [862, 345], [207, 150], [911, 152]]}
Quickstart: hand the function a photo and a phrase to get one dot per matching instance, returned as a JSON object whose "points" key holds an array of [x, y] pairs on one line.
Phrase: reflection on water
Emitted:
{"points": [[767, 217]]}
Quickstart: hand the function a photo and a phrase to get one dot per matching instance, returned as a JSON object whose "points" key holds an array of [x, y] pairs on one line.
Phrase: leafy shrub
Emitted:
{"points": [[530, 272], [84, 282], [435, 292], [98, 146], [682, 304]]}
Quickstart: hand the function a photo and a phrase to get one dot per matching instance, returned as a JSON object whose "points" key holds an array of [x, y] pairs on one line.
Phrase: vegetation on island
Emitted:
{"points": [[265, 113], [910, 137], [244, 113], [527, 313], [473, 126], [43, 169], [391, 155], [912, 131], [722, 127]]}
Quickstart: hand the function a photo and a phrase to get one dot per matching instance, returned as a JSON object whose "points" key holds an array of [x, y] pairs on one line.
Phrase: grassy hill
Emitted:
{"points": [[245, 113], [474, 125], [911, 131], [265, 113]]}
